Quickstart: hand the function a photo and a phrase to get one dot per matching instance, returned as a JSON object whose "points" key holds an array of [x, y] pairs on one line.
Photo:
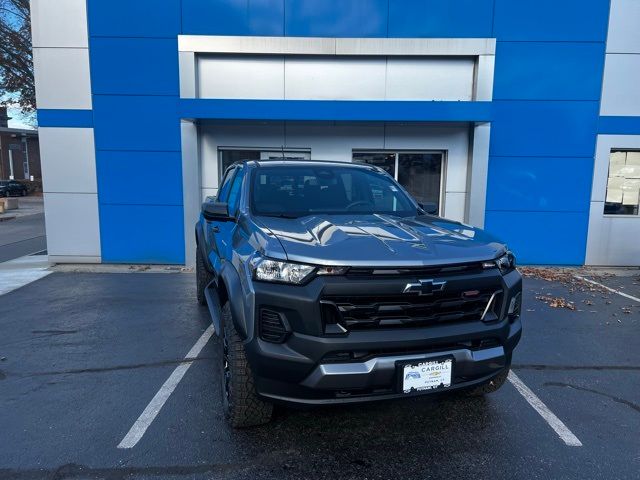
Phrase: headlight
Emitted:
{"points": [[284, 272], [505, 263], [267, 270]]}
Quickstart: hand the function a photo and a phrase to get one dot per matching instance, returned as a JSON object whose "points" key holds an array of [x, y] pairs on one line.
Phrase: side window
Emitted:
{"points": [[223, 193], [234, 193]]}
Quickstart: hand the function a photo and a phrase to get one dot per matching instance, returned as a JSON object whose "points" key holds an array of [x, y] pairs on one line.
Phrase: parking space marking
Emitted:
{"points": [[554, 422], [613, 290], [157, 402]]}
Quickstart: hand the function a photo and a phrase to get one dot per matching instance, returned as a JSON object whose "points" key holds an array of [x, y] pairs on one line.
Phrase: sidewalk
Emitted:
{"points": [[27, 206]]}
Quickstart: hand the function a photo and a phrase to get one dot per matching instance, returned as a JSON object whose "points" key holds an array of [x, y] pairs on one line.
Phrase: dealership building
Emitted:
{"points": [[521, 117]]}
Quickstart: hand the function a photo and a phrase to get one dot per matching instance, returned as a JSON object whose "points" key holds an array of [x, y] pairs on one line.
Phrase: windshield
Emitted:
{"points": [[3, 183], [296, 191]]}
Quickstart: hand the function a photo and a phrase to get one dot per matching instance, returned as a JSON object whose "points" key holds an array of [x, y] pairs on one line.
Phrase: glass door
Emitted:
{"points": [[419, 172]]}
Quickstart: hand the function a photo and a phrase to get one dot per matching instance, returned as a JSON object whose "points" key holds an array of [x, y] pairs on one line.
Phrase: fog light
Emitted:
{"points": [[514, 306]]}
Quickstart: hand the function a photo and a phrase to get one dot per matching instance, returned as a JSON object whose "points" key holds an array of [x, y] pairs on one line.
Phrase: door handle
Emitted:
{"points": [[215, 229]]}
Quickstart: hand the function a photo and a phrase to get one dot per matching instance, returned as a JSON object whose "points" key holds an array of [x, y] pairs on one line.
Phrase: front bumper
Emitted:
{"points": [[311, 368]]}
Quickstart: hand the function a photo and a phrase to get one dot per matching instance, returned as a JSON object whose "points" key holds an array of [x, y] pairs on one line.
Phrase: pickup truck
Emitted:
{"points": [[327, 283]]}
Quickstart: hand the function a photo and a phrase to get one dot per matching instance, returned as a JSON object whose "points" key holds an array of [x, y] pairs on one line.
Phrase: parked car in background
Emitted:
{"points": [[327, 283], [12, 188]]}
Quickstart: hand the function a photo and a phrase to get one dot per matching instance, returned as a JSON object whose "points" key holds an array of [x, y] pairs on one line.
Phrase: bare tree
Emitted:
{"points": [[16, 60]]}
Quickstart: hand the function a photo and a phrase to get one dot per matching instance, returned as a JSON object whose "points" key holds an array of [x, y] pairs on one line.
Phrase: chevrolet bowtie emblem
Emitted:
{"points": [[424, 287]]}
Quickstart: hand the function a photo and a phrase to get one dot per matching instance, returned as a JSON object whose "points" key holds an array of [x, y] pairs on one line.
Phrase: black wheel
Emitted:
{"points": [[203, 277], [242, 406], [491, 386]]}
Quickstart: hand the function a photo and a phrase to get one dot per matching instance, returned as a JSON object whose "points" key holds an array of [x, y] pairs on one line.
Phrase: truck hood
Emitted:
{"points": [[380, 240]]}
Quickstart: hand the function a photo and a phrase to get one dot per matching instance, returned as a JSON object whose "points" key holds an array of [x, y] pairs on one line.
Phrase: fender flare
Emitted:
{"points": [[229, 276]]}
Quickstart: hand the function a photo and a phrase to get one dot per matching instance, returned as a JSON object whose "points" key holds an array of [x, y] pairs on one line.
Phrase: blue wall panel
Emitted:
{"points": [[440, 18], [542, 237], [142, 178], [539, 183], [134, 66], [551, 20], [233, 17], [134, 18], [529, 128], [548, 71], [136, 123], [65, 118], [142, 234], [346, 110], [336, 18]]}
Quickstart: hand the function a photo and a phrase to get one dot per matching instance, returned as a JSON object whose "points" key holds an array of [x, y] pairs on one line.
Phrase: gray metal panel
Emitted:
{"points": [[256, 45], [620, 85], [624, 27], [62, 78], [190, 187], [188, 81], [59, 23], [415, 46], [477, 197], [68, 160]]}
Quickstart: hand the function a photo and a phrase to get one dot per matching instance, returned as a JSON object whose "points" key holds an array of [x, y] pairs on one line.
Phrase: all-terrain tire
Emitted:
{"points": [[203, 277], [491, 386], [242, 406]]}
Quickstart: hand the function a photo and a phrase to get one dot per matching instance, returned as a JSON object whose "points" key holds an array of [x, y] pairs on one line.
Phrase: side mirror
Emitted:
{"points": [[429, 207], [216, 211]]}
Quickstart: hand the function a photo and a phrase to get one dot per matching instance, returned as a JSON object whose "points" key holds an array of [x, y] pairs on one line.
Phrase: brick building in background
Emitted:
{"points": [[19, 152]]}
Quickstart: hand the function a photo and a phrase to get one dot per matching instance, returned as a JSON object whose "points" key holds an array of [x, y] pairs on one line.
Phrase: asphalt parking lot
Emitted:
{"points": [[83, 354]]}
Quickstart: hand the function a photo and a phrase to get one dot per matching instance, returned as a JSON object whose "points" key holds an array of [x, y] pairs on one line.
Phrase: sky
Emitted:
{"points": [[19, 120]]}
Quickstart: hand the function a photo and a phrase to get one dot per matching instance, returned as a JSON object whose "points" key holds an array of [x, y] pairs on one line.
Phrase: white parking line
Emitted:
{"points": [[626, 295], [554, 422], [157, 402]]}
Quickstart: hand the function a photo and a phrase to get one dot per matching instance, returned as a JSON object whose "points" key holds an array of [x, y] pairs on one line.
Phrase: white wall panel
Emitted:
{"points": [[190, 177], [68, 160], [59, 23], [609, 240], [62, 78], [624, 27], [329, 141], [412, 78], [72, 224], [334, 78], [241, 77], [620, 85]]}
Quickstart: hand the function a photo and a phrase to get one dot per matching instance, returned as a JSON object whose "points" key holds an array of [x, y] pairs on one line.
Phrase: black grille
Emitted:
{"points": [[272, 328], [373, 272], [396, 311]]}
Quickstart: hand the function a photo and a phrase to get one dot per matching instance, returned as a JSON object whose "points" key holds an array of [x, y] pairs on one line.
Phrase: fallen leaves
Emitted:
{"points": [[556, 302]]}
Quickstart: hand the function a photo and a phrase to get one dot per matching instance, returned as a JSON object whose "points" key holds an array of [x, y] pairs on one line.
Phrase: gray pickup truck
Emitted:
{"points": [[327, 283]]}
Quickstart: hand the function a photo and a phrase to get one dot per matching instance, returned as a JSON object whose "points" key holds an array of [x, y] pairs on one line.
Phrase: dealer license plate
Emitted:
{"points": [[428, 375]]}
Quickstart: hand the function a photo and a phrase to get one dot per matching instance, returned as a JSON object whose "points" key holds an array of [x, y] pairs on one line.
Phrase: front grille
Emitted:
{"points": [[272, 328], [382, 272], [357, 312]]}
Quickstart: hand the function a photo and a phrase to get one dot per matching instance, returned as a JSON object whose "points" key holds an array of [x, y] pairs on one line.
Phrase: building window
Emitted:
{"points": [[227, 156], [623, 183], [419, 172]]}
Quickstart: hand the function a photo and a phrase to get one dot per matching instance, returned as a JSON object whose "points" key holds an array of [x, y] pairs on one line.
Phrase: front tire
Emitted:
{"points": [[203, 277], [242, 406], [491, 386]]}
